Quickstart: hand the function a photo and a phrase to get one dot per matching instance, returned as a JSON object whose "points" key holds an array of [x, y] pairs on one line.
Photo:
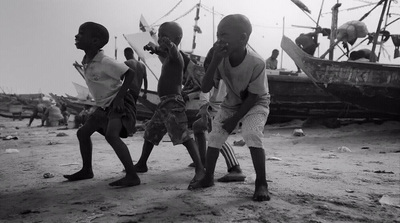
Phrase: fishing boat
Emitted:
{"points": [[372, 86], [369, 85], [292, 96]]}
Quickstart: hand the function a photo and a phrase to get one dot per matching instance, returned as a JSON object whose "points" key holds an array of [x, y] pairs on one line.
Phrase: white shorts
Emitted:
{"points": [[253, 124]]}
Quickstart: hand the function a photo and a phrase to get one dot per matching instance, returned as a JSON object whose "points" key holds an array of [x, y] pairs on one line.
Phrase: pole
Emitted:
{"points": [[384, 28], [373, 56], [196, 19], [335, 15], [283, 33], [115, 47], [213, 20]]}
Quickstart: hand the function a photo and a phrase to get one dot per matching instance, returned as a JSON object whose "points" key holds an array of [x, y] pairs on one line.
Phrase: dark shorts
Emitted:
{"points": [[99, 118], [169, 117]]}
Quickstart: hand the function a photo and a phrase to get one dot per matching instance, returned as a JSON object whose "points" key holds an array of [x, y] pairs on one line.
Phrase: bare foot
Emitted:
{"points": [[203, 183], [261, 192], [127, 181], [200, 173], [141, 168], [232, 177], [80, 175]]}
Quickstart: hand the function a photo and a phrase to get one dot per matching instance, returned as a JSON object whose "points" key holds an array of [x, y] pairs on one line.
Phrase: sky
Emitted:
{"points": [[37, 36]]}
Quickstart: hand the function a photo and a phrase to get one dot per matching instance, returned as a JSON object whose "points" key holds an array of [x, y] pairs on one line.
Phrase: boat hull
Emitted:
{"points": [[371, 86]]}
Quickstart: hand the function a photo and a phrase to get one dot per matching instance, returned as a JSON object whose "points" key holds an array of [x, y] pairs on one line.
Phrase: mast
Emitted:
{"points": [[383, 29], [283, 33], [115, 47], [213, 20], [196, 28], [335, 13], [373, 56]]}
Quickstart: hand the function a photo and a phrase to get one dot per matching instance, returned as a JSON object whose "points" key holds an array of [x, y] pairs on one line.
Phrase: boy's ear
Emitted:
{"points": [[96, 41], [244, 37], [177, 40]]}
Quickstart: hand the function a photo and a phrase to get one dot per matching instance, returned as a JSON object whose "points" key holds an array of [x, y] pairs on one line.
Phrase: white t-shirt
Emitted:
{"points": [[248, 76], [103, 78]]}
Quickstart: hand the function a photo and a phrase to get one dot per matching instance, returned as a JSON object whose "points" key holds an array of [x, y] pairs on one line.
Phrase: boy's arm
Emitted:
{"points": [[208, 80], [118, 102], [230, 123], [220, 51], [173, 51], [145, 82]]}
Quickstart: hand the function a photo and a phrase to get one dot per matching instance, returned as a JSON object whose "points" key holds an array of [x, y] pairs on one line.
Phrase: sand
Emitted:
{"points": [[311, 180]]}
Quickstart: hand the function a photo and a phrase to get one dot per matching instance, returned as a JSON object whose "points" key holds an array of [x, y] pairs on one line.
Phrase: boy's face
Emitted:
{"points": [[275, 54], [228, 35], [84, 39]]}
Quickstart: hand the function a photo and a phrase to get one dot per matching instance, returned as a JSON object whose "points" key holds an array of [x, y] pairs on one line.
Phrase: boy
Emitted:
{"points": [[272, 63], [247, 99], [140, 70], [116, 110], [38, 111], [170, 113], [207, 112]]}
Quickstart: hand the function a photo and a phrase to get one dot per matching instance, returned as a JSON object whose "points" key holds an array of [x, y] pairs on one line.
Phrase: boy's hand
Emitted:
{"points": [[220, 50], [165, 42], [118, 105], [230, 124], [203, 112], [151, 47]]}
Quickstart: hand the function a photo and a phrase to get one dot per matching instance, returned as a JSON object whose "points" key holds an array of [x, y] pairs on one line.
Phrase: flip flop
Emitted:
{"points": [[237, 177]]}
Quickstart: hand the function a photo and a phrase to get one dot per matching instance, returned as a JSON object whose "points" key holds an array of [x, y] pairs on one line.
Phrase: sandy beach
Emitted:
{"points": [[346, 174]]}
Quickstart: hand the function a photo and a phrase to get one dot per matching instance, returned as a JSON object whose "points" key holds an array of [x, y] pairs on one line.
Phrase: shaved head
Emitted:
{"points": [[171, 30], [238, 21]]}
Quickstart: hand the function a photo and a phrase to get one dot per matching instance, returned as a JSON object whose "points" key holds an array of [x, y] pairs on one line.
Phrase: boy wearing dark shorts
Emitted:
{"points": [[170, 116], [116, 109]]}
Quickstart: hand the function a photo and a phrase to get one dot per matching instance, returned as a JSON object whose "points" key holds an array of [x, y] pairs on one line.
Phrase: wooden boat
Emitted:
{"points": [[18, 106], [368, 85], [291, 97]]}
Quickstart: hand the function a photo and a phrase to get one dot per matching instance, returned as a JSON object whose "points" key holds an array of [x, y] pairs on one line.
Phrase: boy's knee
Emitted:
{"points": [[253, 139], [81, 133], [111, 137], [199, 126]]}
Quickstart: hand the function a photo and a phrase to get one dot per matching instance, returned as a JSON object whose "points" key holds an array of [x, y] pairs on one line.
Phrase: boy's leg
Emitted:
{"points": [[199, 128], [261, 186], [194, 154], [112, 136], [234, 171], [252, 131], [155, 131], [34, 115], [85, 146], [211, 161], [141, 165]]}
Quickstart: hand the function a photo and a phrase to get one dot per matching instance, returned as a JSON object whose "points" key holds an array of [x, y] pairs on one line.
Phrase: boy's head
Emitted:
{"points": [[91, 36], [275, 53], [128, 52], [234, 30], [172, 30]]}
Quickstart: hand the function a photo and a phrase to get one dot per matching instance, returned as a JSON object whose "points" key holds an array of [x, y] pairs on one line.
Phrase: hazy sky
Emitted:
{"points": [[37, 36]]}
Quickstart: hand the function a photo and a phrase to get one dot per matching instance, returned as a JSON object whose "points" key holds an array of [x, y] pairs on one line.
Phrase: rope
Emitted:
{"points": [[169, 12], [185, 14]]}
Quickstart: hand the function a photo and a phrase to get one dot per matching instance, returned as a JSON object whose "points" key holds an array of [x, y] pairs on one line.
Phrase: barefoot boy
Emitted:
{"points": [[207, 113], [170, 114], [115, 115], [247, 99]]}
